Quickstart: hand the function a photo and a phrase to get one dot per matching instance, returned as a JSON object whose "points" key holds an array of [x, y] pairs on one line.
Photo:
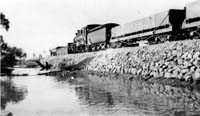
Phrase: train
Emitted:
{"points": [[169, 25]]}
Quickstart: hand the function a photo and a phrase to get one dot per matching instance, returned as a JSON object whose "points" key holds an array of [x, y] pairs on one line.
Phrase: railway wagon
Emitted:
{"points": [[192, 23], [99, 37], [80, 40], [157, 27], [61, 50], [71, 48]]}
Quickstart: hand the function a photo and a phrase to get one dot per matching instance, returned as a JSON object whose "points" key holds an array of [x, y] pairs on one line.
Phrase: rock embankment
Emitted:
{"points": [[178, 60]]}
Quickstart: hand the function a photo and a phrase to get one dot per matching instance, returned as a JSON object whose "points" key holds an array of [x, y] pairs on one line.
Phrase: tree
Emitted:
{"points": [[4, 21], [9, 55], [11, 93]]}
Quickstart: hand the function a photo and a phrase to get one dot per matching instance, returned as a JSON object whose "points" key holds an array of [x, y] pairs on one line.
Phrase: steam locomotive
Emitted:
{"points": [[172, 24]]}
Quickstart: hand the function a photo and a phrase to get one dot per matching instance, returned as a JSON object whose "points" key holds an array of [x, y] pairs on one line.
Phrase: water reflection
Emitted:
{"points": [[11, 93], [135, 96], [92, 94]]}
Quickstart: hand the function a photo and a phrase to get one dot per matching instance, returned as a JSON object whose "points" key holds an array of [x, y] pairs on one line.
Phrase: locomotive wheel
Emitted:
{"points": [[113, 45], [93, 48], [103, 47], [86, 48], [108, 46], [98, 47], [119, 45]]}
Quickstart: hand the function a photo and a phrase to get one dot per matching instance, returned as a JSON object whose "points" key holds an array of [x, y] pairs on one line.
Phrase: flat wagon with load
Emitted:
{"points": [[158, 27], [191, 26]]}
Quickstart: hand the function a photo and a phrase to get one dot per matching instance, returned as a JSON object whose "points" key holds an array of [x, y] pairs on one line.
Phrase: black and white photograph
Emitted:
{"points": [[100, 57]]}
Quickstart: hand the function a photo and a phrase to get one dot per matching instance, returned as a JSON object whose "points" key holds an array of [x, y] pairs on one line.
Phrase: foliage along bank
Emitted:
{"points": [[9, 55]]}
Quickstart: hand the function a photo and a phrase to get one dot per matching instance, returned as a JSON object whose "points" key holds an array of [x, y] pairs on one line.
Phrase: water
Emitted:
{"points": [[85, 94]]}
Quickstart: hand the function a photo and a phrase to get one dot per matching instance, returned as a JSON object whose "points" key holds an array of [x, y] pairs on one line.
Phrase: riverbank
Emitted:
{"points": [[174, 63]]}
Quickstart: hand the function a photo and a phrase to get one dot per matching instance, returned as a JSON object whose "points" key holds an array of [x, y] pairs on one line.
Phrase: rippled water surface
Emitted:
{"points": [[85, 94]]}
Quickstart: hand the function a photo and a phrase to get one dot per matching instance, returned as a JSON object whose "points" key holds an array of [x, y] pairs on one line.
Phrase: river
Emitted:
{"points": [[90, 94]]}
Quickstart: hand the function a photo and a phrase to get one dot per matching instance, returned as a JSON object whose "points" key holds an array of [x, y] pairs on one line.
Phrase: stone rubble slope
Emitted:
{"points": [[176, 59]]}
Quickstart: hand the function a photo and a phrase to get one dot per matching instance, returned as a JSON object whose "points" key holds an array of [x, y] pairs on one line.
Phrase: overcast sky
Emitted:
{"points": [[38, 25]]}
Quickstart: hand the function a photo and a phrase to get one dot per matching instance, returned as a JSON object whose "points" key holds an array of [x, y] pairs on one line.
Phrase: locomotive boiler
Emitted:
{"points": [[81, 39]]}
